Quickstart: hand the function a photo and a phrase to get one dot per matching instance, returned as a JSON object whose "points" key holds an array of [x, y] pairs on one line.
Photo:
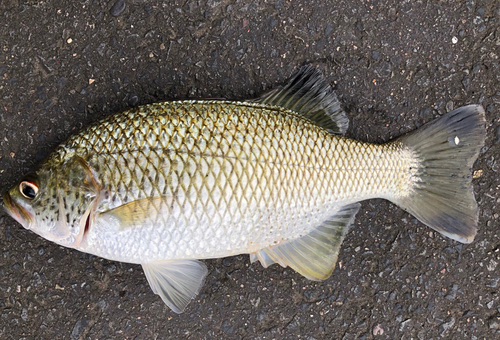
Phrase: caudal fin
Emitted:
{"points": [[446, 149]]}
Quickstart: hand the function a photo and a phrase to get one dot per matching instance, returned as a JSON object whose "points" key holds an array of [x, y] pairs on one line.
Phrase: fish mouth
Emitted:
{"points": [[17, 212]]}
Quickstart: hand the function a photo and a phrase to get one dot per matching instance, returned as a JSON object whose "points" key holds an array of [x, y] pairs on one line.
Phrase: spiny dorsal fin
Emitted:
{"points": [[308, 93], [315, 254]]}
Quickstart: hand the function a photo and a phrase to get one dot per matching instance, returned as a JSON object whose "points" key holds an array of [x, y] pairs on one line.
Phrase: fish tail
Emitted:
{"points": [[442, 195]]}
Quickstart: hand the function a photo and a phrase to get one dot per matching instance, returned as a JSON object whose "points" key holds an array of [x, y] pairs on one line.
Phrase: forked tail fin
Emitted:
{"points": [[446, 148]]}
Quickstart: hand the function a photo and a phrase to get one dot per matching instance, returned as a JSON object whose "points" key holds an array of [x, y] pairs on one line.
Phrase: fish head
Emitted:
{"points": [[54, 203]]}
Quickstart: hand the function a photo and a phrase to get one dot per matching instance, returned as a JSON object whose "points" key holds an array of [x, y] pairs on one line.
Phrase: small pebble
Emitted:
{"points": [[446, 326], [477, 173], [112, 268], [454, 40], [376, 55], [24, 314], [328, 29], [378, 330], [494, 324], [117, 8], [79, 328], [133, 99], [61, 82]]}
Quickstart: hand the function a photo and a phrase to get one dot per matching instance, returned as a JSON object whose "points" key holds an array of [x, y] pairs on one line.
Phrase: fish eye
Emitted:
{"points": [[28, 189]]}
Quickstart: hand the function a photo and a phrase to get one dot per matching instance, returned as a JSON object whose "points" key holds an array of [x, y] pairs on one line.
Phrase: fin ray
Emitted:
{"points": [[134, 213], [309, 94], [176, 281], [315, 254], [447, 148]]}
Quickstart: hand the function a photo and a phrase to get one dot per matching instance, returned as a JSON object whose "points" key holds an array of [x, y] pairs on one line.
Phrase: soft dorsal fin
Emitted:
{"points": [[315, 254], [176, 281], [308, 93]]}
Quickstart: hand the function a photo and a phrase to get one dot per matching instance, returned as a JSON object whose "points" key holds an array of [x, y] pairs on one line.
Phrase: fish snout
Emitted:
{"points": [[17, 212]]}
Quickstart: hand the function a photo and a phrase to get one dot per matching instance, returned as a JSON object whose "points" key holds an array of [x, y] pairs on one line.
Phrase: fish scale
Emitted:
{"points": [[250, 174], [167, 184]]}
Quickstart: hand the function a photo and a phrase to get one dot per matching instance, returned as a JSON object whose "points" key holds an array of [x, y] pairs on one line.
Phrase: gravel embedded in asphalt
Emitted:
{"points": [[395, 66]]}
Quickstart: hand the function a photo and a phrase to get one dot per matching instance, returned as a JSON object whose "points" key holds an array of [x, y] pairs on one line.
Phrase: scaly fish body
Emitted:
{"points": [[231, 178], [167, 184]]}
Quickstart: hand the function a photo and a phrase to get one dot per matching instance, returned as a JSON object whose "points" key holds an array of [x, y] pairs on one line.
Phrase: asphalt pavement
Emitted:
{"points": [[395, 65]]}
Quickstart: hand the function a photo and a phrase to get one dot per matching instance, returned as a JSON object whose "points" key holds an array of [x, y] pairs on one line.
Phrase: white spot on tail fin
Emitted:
{"points": [[454, 141]]}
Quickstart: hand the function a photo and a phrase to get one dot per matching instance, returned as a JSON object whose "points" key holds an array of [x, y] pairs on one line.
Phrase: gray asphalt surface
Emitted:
{"points": [[395, 65]]}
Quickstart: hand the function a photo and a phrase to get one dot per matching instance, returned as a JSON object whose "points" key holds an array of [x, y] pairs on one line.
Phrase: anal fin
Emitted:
{"points": [[176, 281], [315, 254]]}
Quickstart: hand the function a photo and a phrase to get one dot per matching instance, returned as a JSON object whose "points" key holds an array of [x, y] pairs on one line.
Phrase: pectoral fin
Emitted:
{"points": [[136, 212], [176, 281], [315, 254]]}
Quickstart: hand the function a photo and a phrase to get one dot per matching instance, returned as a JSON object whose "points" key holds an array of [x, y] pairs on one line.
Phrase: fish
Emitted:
{"points": [[168, 184]]}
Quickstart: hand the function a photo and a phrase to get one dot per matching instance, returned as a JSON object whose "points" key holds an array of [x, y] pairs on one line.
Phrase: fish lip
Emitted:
{"points": [[17, 212]]}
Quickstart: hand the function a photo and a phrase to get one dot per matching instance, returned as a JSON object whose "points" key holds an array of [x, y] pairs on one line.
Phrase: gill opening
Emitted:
{"points": [[87, 225]]}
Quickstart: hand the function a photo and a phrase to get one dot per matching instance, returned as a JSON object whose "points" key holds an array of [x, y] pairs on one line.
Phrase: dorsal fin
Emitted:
{"points": [[308, 93]]}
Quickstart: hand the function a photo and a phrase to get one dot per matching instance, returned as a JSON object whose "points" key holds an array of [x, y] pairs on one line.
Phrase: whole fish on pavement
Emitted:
{"points": [[167, 184]]}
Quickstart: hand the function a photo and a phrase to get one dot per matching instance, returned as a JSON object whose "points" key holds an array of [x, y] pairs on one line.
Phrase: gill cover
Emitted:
{"points": [[77, 195]]}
